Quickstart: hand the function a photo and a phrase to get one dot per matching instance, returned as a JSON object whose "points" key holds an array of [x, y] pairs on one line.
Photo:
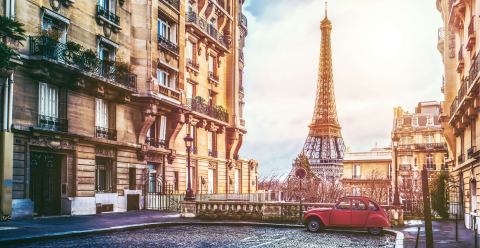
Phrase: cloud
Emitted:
{"points": [[384, 55]]}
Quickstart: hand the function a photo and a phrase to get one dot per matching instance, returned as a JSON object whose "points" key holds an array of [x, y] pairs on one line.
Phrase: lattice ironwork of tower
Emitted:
{"points": [[324, 145]]}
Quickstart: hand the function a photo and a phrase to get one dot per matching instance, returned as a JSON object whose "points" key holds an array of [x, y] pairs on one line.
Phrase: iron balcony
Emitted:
{"points": [[201, 24], [212, 153], [243, 19], [174, 3], [461, 159], [193, 64], [105, 133], [240, 55], [157, 143], [103, 12], [172, 47], [205, 109], [471, 151], [213, 76], [424, 146], [52, 123]]}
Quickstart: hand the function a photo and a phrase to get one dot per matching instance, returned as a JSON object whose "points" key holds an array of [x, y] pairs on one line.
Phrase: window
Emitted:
{"points": [[51, 24], [104, 176], [343, 205], [406, 159], [163, 29], [10, 9], [429, 138], [109, 5], [429, 161], [406, 140], [211, 65], [356, 171], [152, 178], [406, 183], [240, 109], [212, 144], [212, 99], [389, 171], [211, 181], [162, 77], [373, 206], [132, 178], [399, 122], [191, 50], [429, 121], [358, 205], [175, 180], [157, 133], [48, 100], [237, 181], [106, 51], [415, 121], [101, 113], [356, 191], [190, 90]]}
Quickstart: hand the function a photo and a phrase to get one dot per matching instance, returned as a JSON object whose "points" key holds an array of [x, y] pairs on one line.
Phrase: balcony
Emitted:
{"points": [[405, 167], [174, 3], [471, 34], [242, 122], [52, 123], [240, 88], [461, 61], [240, 55], [172, 47], [471, 151], [431, 146], [205, 109], [236, 157], [213, 76], [443, 84], [430, 166], [164, 90], [441, 40], [406, 146], [109, 16], [193, 64], [157, 143], [461, 159], [453, 107], [105, 133], [207, 30], [212, 153], [243, 20], [86, 62]]}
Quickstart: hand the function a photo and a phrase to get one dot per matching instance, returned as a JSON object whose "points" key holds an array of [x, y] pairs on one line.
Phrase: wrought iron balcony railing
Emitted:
{"points": [[193, 64], [453, 107], [212, 153], [471, 29], [173, 3], [105, 133], [240, 55], [236, 157], [406, 146], [43, 46], [52, 123], [168, 44], [243, 19], [431, 146], [405, 167], [105, 13], [471, 151], [460, 53], [461, 159], [441, 34], [429, 166], [205, 109], [212, 75], [157, 143], [200, 23], [240, 88]]}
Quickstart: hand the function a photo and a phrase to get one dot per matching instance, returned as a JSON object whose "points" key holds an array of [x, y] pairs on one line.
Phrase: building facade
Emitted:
{"points": [[421, 145], [96, 113], [457, 44], [369, 174]]}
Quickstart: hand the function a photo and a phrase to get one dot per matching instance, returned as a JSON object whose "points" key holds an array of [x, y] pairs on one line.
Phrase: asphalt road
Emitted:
{"points": [[218, 236]]}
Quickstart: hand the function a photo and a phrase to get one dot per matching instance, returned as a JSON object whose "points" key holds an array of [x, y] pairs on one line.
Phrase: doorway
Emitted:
{"points": [[45, 183]]}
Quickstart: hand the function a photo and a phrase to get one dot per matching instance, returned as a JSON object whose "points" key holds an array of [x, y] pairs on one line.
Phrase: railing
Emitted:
{"points": [[271, 196], [173, 3], [474, 69], [471, 29], [157, 143], [43, 46], [106, 133], [430, 166], [164, 90], [105, 13], [236, 157], [212, 153], [431, 146], [356, 176], [453, 107], [405, 167], [242, 122], [461, 159], [471, 151], [212, 75], [460, 53], [52, 123], [168, 44], [242, 19], [203, 108], [193, 64], [406, 146], [441, 34], [463, 90], [207, 28], [240, 55], [450, 5], [240, 88], [162, 197]]}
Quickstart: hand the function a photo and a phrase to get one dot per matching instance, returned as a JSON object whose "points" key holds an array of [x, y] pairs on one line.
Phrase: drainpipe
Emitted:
{"points": [[5, 105], [10, 104]]}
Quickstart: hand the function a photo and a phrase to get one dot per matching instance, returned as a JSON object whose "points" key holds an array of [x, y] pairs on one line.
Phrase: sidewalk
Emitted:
{"points": [[443, 234]]}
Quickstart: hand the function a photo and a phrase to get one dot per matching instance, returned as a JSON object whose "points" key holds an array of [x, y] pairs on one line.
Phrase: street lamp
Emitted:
{"points": [[188, 144], [396, 198]]}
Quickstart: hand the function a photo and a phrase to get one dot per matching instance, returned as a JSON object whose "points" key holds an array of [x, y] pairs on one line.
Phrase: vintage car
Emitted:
{"points": [[348, 212]]}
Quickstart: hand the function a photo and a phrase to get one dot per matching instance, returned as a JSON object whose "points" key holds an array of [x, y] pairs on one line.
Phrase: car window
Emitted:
{"points": [[358, 205], [372, 206], [343, 205]]}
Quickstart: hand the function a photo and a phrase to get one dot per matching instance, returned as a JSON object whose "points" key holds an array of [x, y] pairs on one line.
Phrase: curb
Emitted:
{"points": [[398, 235]]}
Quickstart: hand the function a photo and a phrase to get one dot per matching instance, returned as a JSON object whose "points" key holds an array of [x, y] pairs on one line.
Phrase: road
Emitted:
{"points": [[218, 236]]}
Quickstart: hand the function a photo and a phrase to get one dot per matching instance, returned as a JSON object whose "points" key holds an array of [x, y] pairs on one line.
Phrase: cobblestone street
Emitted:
{"points": [[218, 236]]}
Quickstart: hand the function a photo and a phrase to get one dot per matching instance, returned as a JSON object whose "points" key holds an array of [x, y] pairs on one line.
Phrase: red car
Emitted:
{"points": [[350, 211]]}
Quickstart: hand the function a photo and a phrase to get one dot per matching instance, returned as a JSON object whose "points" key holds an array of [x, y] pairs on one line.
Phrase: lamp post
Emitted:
{"points": [[396, 198], [188, 144]]}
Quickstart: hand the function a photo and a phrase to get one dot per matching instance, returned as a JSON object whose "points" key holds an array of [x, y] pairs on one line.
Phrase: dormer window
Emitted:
{"points": [[399, 122], [429, 121], [415, 122]]}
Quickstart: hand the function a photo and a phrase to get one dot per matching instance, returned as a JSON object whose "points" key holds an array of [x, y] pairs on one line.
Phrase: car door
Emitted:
{"points": [[341, 213], [359, 212]]}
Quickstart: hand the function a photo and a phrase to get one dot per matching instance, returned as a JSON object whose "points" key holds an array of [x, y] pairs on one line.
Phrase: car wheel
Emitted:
{"points": [[314, 225], [375, 230]]}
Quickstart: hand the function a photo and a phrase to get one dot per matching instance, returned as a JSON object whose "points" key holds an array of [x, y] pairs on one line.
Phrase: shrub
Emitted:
{"points": [[73, 46], [90, 54], [199, 99], [53, 34]]}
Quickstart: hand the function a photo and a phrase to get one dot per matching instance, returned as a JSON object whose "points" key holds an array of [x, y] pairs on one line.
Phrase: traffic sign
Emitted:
{"points": [[300, 173]]}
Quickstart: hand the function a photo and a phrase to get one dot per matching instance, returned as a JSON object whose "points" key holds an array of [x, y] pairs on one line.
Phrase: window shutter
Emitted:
{"points": [[41, 98], [210, 140], [189, 90], [210, 63], [163, 127]]}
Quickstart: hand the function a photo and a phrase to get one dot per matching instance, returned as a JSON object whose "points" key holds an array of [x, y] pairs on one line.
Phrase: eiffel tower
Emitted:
{"points": [[324, 145]]}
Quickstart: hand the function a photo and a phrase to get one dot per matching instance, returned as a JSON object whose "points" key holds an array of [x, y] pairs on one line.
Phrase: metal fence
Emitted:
{"points": [[273, 196], [164, 199]]}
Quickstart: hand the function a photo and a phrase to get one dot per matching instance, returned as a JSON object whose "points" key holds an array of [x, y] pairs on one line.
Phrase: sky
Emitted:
{"points": [[384, 55]]}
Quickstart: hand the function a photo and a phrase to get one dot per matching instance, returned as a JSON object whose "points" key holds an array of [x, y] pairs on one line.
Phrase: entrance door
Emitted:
{"points": [[45, 183], [359, 213], [341, 214]]}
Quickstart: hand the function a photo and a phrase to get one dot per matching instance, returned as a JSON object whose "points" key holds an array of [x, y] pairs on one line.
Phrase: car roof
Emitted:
{"points": [[360, 197]]}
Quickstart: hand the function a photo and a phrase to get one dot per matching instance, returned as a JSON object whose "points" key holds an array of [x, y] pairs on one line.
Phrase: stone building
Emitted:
{"points": [[421, 145], [97, 111], [457, 44], [369, 174]]}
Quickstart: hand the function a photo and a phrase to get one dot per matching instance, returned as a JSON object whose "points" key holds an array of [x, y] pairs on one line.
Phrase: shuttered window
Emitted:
{"points": [[48, 100], [101, 113], [210, 141], [163, 127]]}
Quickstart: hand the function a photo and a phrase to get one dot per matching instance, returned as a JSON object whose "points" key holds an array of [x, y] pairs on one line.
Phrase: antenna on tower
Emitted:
{"points": [[325, 9]]}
